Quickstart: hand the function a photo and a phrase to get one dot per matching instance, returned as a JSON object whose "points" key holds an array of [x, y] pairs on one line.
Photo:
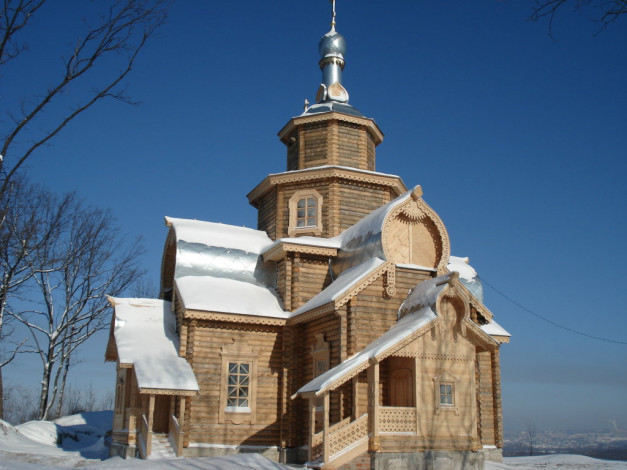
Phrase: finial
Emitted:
{"points": [[306, 104], [333, 15]]}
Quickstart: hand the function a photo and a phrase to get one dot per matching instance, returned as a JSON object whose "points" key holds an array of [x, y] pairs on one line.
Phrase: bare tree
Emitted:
{"points": [[30, 218], [117, 38], [66, 303], [602, 11]]}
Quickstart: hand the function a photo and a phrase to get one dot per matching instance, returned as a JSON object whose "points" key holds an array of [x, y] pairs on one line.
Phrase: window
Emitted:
{"points": [[238, 384], [445, 386], [305, 213], [446, 394], [238, 392]]}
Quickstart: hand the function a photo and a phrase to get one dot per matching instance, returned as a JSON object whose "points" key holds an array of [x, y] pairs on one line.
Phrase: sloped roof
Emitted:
{"points": [[145, 337], [342, 285], [494, 329], [225, 295], [418, 310]]}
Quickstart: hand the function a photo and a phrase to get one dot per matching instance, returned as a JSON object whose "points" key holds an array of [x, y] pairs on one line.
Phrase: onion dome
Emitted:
{"points": [[332, 96]]}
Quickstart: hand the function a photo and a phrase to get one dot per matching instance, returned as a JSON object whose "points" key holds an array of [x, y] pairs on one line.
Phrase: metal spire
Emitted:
{"points": [[333, 15]]}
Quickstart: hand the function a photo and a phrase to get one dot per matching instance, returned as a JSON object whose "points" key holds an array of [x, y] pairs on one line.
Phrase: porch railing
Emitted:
{"points": [[176, 436], [397, 419], [145, 438], [341, 436]]}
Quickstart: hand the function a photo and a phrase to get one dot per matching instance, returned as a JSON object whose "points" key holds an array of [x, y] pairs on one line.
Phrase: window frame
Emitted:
{"points": [[446, 380], [306, 195], [237, 414]]}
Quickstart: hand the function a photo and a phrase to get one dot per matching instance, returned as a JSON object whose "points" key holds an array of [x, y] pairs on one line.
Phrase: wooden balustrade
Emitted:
{"points": [[397, 419]]}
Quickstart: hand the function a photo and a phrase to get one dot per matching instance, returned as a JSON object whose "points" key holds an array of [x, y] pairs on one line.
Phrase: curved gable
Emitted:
{"points": [[414, 234]]}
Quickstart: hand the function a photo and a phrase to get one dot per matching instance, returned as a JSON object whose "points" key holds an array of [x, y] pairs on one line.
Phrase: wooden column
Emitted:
{"points": [[417, 393], [498, 404], [325, 428], [151, 413], [181, 420], [356, 413], [312, 425], [373, 407]]}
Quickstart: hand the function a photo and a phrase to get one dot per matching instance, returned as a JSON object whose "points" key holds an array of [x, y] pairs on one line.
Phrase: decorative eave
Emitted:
{"points": [[339, 302], [327, 172], [234, 318], [281, 249], [371, 126], [168, 391]]}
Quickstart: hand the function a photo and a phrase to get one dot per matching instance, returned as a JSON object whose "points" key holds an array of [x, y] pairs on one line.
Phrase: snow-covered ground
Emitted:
{"points": [[79, 440]]}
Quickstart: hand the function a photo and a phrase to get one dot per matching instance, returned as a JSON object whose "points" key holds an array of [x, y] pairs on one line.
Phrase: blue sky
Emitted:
{"points": [[517, 139]]}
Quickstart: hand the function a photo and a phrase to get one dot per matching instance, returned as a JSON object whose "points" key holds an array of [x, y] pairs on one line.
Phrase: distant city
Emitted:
{"points": [[608, 444]]}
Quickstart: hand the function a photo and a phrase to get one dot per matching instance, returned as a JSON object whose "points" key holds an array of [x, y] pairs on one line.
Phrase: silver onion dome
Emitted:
{"points": [[332, 44]]}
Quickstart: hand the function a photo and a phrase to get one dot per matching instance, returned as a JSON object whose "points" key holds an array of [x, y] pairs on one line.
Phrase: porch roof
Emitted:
{"points": [[145, 337], [418, 310]]}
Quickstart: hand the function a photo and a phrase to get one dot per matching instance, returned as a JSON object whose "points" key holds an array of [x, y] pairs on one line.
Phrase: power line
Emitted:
{"points": [[551, 322]]}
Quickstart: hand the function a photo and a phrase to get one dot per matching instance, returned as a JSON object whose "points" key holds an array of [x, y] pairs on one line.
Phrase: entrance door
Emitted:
{"points": [[161, 416], [401, 388]]}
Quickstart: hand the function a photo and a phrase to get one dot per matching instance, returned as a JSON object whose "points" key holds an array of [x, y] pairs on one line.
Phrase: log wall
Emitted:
{"points": [[204, 426]]}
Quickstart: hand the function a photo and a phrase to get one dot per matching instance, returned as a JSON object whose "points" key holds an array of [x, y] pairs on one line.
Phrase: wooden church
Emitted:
{"points": [[340, 333]]}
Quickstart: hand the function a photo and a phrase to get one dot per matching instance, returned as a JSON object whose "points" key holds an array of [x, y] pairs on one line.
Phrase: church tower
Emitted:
{"points": [[330, 181]]}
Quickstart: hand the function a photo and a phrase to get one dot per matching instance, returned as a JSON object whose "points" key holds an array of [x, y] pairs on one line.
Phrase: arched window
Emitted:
{"points": [[305, 213]]}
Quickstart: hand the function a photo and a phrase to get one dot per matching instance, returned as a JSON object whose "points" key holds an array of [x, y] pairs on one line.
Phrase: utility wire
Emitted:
{"points": [[537, 315]]}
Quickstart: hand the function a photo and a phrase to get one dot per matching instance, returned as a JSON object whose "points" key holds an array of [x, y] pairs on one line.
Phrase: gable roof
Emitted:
{"points": [[145, 337], [344, 284], [419, 312]]}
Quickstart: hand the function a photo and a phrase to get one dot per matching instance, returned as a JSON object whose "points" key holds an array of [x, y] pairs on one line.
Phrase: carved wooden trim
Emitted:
{"points": [[364, 283], [324, 173], [332, 116], [234, 318], [162, 391], [389, 282], [281, 249], [415, 210]]}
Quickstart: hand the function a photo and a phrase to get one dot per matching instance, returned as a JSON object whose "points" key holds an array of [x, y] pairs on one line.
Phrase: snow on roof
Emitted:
{"points": [[341, 285], [424, 294], [221, 235], [213, 294], [494, 329], [467, 275], [145, 336], [219, 250], [419, 308]]}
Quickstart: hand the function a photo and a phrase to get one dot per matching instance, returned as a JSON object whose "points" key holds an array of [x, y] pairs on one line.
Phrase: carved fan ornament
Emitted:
{"points": [[416, 211]]}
